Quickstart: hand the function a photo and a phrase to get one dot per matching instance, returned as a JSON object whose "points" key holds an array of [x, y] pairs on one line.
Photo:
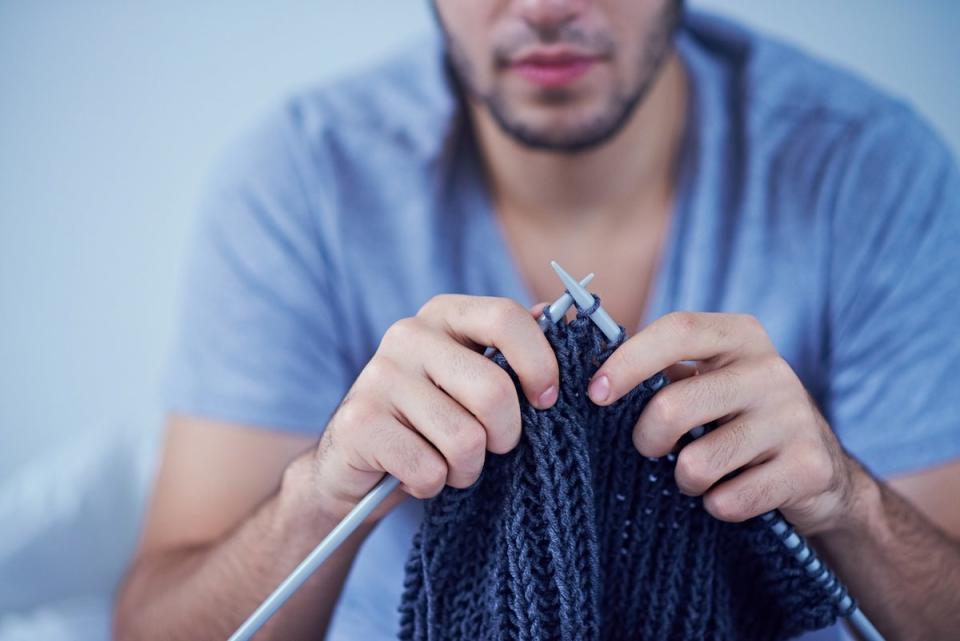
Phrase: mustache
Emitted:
{"points": [[597, 43]]}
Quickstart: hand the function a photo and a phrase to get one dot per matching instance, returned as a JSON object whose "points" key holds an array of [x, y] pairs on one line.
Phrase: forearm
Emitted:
{"points": [[206, 592], [902, 569]]}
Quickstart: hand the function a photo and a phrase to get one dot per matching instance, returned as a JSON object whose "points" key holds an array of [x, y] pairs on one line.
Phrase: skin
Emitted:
{"points": [[628, 41], [235, 507]]}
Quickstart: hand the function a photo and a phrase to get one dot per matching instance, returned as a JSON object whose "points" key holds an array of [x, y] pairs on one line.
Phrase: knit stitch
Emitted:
{"points": [[574, 535]]}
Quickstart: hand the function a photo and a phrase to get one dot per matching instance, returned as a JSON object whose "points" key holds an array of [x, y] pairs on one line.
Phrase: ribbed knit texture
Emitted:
{"points": [[575, 536]]}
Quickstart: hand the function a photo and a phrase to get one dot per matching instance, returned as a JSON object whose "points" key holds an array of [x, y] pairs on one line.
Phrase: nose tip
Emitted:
{"points": [[547, 14]]}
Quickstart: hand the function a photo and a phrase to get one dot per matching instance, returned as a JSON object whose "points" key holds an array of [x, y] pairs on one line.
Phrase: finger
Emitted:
{"points": [[742, 441], [751, 493], [392, 447], [694, 401], [459, 437], [506, 325], [678, 336], [478, 384], [538, 308]]}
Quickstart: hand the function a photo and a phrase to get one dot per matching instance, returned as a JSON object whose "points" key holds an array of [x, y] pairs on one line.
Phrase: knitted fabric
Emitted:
{"points": [[575, 536]]}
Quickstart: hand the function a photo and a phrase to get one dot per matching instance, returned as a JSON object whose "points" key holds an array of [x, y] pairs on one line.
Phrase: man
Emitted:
{"points": [[807, 225]]}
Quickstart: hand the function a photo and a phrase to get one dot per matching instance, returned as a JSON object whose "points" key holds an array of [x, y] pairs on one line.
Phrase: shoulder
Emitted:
{"points": [[772, 80], [815, 128], [358, 133]]}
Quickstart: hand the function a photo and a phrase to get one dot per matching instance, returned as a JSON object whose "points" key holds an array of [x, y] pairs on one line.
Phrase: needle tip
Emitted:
{"points": [[567, 279]]}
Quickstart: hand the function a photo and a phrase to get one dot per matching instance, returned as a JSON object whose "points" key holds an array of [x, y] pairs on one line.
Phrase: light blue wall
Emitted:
{"points": [[111, 111]]}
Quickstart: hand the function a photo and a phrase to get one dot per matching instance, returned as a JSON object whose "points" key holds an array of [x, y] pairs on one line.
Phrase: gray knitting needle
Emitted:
{"points": [[793, 542], [609, 327], [551, 315], [584, 299]]}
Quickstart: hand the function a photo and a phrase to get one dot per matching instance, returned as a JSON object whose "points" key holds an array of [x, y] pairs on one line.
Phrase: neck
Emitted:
{"points": [[605, 184]]}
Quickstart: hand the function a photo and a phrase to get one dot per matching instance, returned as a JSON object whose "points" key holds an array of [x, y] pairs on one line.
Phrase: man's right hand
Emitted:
{"points": [[428, 405]]}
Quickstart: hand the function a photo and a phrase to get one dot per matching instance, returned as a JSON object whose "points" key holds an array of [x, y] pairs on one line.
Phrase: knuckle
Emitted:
{"points": [[504, 439], [468, 449], [401, 331], [751, 323], [693, 476], [474, 441], [494, 393], [723, 506], [434, 474], [357, 411], [429, 477], [683, 323], [642, 441], [663, 408], [466, 469], [777, 368], [381, 370], [507, 312], [435, 302], [463, 480], [741, 504]]}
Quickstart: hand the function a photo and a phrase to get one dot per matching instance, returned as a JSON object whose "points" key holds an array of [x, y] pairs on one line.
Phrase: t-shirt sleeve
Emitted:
{"points": [[894, 301], [257, 341]]}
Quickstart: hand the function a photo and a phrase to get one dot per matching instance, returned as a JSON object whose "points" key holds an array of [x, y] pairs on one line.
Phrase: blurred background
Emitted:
{"points": [[110, 115]]}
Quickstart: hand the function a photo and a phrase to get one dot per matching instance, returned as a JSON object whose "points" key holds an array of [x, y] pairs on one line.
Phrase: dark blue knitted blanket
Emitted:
{"points": [[575, 536]]}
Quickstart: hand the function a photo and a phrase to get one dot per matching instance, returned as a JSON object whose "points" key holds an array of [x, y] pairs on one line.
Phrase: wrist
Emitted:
{"points": [[862, 510], [303, 501]]}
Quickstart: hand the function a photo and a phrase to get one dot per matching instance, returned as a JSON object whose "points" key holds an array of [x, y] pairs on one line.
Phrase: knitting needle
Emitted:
{"points": [[795, 543], [550, 316], [584, 299]]}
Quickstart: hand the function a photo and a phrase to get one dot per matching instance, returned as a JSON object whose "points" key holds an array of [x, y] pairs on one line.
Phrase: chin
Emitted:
{"points": [[549, 109], [557, 125], [558, 122]]}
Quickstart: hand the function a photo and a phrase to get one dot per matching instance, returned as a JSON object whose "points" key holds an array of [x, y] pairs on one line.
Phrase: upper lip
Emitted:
{"points": [[553, 56]]}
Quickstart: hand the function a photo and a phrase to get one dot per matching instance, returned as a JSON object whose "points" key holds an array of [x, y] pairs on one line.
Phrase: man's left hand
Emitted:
{"points": [[769, 429]]}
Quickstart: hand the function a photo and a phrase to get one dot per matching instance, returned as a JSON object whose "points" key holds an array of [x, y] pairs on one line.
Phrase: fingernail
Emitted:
{"points": [[548, 397], [599, 389]]}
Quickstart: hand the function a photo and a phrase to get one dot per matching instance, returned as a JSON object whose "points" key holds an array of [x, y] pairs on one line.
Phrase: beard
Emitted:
{"points": [[591, 132]]}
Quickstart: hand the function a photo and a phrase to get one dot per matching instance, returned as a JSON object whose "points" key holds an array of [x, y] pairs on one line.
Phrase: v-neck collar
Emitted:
{"points": [[496, 271]]}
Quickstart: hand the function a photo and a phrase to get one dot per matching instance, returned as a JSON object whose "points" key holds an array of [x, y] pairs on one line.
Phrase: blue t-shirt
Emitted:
{"points": [[806, 198]]}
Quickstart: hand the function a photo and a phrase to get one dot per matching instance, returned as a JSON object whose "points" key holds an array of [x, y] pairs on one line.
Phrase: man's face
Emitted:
{"points": [[563, 75]]}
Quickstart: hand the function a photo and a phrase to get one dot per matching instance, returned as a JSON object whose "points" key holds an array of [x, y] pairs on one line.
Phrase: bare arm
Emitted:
{"points": [[235, 509], [903, 567], [203, 565]]}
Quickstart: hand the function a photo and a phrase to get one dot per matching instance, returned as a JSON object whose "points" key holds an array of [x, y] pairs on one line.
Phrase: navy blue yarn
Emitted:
{"points": [[575, 536]]}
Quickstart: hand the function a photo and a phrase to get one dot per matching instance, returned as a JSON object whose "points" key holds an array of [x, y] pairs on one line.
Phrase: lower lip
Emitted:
{"points": [[553, 75]]}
